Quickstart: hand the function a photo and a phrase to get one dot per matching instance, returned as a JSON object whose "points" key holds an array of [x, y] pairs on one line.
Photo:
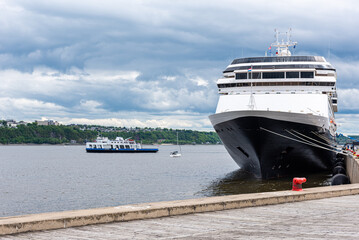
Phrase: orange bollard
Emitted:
{"points": [[297, 183]]}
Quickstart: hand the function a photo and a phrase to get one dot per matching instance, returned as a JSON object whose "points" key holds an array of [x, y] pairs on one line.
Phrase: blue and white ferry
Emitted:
{"points": [[119, 145]]}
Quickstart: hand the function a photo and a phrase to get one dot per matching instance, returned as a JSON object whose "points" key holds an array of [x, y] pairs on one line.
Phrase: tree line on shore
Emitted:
{"points": [[35, 134]]}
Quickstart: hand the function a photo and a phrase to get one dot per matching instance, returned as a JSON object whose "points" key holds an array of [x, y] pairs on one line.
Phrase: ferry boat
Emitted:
{"points": [[275, 114], [119, 145]]}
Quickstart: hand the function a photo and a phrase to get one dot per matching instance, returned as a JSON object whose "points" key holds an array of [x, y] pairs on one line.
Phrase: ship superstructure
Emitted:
{"points": [[275, 114]]}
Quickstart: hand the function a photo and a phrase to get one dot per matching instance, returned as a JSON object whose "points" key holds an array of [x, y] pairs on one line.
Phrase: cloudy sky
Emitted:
{"points": [[154, 63]]}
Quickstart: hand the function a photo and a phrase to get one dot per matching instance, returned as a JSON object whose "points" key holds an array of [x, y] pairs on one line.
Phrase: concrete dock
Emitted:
{"points": [[67, 219], [330, 218]]}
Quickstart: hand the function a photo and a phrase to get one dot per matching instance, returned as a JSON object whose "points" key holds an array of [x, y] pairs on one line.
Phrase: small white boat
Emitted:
{"points": [[176, 153]]}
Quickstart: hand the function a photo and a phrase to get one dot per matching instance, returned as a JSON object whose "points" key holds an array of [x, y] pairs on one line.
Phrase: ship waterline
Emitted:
{"points": [[273, 147]]}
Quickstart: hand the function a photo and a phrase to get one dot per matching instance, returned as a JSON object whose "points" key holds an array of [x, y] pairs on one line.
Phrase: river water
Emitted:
{"points": [[41, 178]]}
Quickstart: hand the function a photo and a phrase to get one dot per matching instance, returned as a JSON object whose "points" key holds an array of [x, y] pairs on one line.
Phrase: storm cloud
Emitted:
{"points": [[155, 63]]}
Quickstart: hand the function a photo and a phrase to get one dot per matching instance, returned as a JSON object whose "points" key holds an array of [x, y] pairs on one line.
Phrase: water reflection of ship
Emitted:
{"points": [[240, 182]]}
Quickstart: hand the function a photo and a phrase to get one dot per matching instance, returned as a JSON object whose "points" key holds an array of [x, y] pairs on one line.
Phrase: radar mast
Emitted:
{"points": [[283, 46]]}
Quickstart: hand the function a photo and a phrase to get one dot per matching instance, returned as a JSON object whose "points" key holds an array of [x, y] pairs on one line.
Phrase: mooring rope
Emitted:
{"points": [[310, 144], [320, 136], [305, 140], [329, 145]]}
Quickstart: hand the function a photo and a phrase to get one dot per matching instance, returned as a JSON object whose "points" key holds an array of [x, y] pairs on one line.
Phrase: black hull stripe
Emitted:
{"points": [[122, 151], [268, 155]]}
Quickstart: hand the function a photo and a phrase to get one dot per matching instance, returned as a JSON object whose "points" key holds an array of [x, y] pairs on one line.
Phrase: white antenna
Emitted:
{"points": [[283, 46], [251, 103]]}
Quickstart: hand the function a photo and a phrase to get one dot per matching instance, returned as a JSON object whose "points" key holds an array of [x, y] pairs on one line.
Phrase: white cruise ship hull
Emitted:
{"points": [[270, 144]]}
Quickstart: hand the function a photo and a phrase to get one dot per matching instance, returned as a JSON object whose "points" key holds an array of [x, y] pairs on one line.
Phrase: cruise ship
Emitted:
{"points": [[275, 114]]}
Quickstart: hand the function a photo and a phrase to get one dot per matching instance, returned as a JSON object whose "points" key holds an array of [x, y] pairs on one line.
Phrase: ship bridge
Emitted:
{"points": [[280, 75]]}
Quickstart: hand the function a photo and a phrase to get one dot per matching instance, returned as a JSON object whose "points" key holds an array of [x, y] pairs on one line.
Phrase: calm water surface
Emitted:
{"points": [[35, 179]]}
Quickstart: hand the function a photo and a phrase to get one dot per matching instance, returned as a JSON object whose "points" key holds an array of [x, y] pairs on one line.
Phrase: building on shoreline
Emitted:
{"points": [[47, 123]]}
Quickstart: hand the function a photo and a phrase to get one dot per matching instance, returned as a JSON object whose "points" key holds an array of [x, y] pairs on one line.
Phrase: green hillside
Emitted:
{"points": [[32, 133]]}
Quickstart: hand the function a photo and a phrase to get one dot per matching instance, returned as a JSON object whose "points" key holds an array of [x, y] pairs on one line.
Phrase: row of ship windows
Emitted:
{"points": [[227, 85], [271, 75], [279, 59], [318, 67], [112, 146]]}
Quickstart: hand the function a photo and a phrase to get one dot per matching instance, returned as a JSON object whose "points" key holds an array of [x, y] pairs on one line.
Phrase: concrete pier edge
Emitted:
{"points": [[352, 167], [66, 219]]}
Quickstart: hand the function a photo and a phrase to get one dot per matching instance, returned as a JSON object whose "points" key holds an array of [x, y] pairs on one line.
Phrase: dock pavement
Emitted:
{"points": [[317, 213], [330, 218]]}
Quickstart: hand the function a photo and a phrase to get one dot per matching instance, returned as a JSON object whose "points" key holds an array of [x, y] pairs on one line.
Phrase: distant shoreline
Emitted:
{"points": [[83, 144], [41, 144], [79, 134]]}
